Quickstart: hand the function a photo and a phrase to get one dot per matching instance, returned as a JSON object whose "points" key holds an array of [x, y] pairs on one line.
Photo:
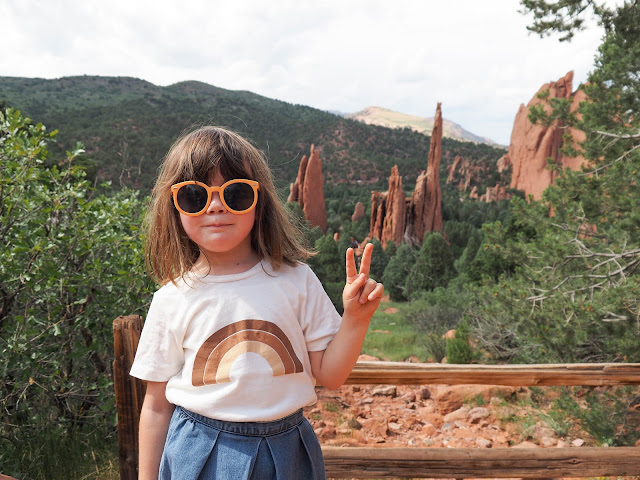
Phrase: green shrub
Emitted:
{"points": [[70, 262]]}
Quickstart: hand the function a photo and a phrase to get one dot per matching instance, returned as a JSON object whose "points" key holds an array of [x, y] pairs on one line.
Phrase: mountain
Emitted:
{"points": [[389, 118], [128, 124]]}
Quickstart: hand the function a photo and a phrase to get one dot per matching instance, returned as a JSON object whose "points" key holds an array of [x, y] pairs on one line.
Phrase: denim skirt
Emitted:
{"points": [[202, 448]]}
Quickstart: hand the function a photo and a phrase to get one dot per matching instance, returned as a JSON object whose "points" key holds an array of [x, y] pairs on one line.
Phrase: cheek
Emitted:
{"points": [[188, 225]]}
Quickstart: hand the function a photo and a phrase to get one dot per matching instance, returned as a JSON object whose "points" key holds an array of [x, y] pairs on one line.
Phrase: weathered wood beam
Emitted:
{"points": [[129, 392], [363, 462], [584, 374]]}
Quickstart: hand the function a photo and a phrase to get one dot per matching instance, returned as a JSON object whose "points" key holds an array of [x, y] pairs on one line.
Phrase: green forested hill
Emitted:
{"points": [[127, 125]]}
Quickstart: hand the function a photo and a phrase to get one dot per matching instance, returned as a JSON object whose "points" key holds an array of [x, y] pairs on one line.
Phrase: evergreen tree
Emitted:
{"points": [[397, 270], [434, 266], [391, 248], [329, 266]]}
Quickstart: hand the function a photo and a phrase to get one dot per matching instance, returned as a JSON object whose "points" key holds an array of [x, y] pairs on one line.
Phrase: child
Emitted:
{"points": [[241, 329]]}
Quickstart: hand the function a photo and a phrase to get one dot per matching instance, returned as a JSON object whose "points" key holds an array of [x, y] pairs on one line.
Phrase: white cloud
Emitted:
{"points": [[407, 55]]}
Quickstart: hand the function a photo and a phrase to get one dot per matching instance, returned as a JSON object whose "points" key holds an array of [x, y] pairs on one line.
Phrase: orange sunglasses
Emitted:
{"points": [[193, 198]]}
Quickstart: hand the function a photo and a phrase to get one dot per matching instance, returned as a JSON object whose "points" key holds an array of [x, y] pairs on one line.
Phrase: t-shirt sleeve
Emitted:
{"points": [[160, 355], [321, 320]]}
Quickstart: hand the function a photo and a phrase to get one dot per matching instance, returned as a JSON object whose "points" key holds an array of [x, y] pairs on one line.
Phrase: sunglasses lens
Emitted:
{"points": [[239, 196], [192, 198]]}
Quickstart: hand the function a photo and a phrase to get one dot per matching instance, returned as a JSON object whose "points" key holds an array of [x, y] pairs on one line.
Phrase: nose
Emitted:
{"points": [[216, 205]]}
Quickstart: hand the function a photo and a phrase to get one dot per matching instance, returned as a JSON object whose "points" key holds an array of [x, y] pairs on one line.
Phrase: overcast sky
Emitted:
{"points": [[476, 57]]}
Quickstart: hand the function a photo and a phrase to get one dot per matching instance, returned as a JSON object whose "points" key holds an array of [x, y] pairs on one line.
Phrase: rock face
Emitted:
{"points": [[295, 194], [531, 145], [424, 212], [396, 218], [358, 212], [462, 173], [308, 190], [393, 222]]}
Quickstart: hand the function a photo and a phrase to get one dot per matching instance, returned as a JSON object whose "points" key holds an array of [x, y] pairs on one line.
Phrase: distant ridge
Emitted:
{"points": [[389, 118], [128, 124]]}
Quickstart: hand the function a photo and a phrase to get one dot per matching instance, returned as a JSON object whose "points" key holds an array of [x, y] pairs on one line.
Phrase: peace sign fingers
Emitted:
{"points": [[352, 273], [365, 263]]}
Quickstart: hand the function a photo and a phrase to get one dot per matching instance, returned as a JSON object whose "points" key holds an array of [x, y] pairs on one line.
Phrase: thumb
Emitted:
{"points": [[352, 289]]}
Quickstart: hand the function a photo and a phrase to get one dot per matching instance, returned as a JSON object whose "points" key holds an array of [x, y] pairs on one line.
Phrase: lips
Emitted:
{"points": [[217, 225]]}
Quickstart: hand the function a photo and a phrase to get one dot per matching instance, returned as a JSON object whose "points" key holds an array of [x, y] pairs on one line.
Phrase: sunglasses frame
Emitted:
{"points": [[252, 183]]}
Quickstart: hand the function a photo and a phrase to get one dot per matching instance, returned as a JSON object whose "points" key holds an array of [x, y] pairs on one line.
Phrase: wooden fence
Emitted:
{"points": [[366, 462]]}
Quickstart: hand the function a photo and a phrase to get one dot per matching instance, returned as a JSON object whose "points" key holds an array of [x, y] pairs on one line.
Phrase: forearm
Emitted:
{"points": [[360, 297], [155, 417], [337, 361]]}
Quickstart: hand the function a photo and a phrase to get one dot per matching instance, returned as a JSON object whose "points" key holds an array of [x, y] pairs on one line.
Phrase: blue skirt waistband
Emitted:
{"points": [[258, 429]]}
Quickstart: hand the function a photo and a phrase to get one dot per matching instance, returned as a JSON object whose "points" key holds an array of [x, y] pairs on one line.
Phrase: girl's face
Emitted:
{"points": [[221, 235]]}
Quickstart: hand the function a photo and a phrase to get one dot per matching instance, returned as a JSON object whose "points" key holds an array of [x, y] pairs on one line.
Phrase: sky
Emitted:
{"points": [[476, 57]]}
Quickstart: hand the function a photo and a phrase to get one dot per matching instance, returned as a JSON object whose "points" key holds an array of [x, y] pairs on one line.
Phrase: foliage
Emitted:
{"points": [[436, 312], [459, 349], [398, 270], [329, 266], [379, 260], [610, 415], [563, 16], [70, 263], [434, 265]]}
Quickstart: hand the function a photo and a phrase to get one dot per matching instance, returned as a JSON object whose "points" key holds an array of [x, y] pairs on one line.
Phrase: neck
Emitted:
{"points": [[225, 263]]}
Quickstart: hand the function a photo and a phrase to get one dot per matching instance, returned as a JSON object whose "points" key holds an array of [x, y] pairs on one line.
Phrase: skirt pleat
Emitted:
{"points": [[199, 448]]}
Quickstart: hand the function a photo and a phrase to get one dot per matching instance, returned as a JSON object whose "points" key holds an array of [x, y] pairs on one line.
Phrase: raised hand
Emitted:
{"points": [[362, 294]]}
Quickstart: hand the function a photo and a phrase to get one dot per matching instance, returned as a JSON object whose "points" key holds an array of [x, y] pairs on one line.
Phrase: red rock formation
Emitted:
{"points": [[394, 221], [313, 192], [295, 194], [503, 163], [424, 211], [453, 168], [378, 212], [495, 193], [393, 217], [358, 212], [308, 190], [531, 145]]}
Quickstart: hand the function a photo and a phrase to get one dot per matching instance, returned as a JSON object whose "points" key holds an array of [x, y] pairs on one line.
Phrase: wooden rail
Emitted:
{"points": [[591, 374], [367, 462]]}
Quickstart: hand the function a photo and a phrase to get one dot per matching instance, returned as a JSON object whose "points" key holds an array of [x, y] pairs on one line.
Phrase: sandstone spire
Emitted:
{"points": [[394, 221], [295, 194], [313, 192], [308, 190], [424, 212]]}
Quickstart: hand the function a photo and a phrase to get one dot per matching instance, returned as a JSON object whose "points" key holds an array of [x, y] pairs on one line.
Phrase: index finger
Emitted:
{"points": [[365, 263], [352, 273]]}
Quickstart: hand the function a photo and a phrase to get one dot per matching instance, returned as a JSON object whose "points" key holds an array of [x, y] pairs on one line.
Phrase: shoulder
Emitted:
{"points": [[173, 292], [298, 271]]}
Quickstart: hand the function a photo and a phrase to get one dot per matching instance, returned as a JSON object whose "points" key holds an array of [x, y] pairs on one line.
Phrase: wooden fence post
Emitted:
{"points": [[129, 392]]}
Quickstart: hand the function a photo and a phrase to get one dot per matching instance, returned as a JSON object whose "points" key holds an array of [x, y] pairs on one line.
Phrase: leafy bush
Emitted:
{"points": [[459, 349], [70, 263]]}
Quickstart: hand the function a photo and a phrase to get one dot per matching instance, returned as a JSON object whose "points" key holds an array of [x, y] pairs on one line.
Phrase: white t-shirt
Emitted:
{"points": [[235, 347]]}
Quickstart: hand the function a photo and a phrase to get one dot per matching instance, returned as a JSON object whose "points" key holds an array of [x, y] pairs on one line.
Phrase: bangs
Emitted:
{"points": [[210, 153]]}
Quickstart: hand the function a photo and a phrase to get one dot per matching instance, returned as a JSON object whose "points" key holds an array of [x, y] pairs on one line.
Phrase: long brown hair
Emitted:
{"points": [[169, 252]]}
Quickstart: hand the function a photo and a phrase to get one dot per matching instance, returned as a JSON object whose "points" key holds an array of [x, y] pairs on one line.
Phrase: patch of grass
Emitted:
{"points": [[80, 457], [332, 407], [391, 337]]}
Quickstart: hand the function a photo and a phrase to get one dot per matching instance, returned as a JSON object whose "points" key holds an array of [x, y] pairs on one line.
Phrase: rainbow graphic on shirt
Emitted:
{"points": [[215, 357]]}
